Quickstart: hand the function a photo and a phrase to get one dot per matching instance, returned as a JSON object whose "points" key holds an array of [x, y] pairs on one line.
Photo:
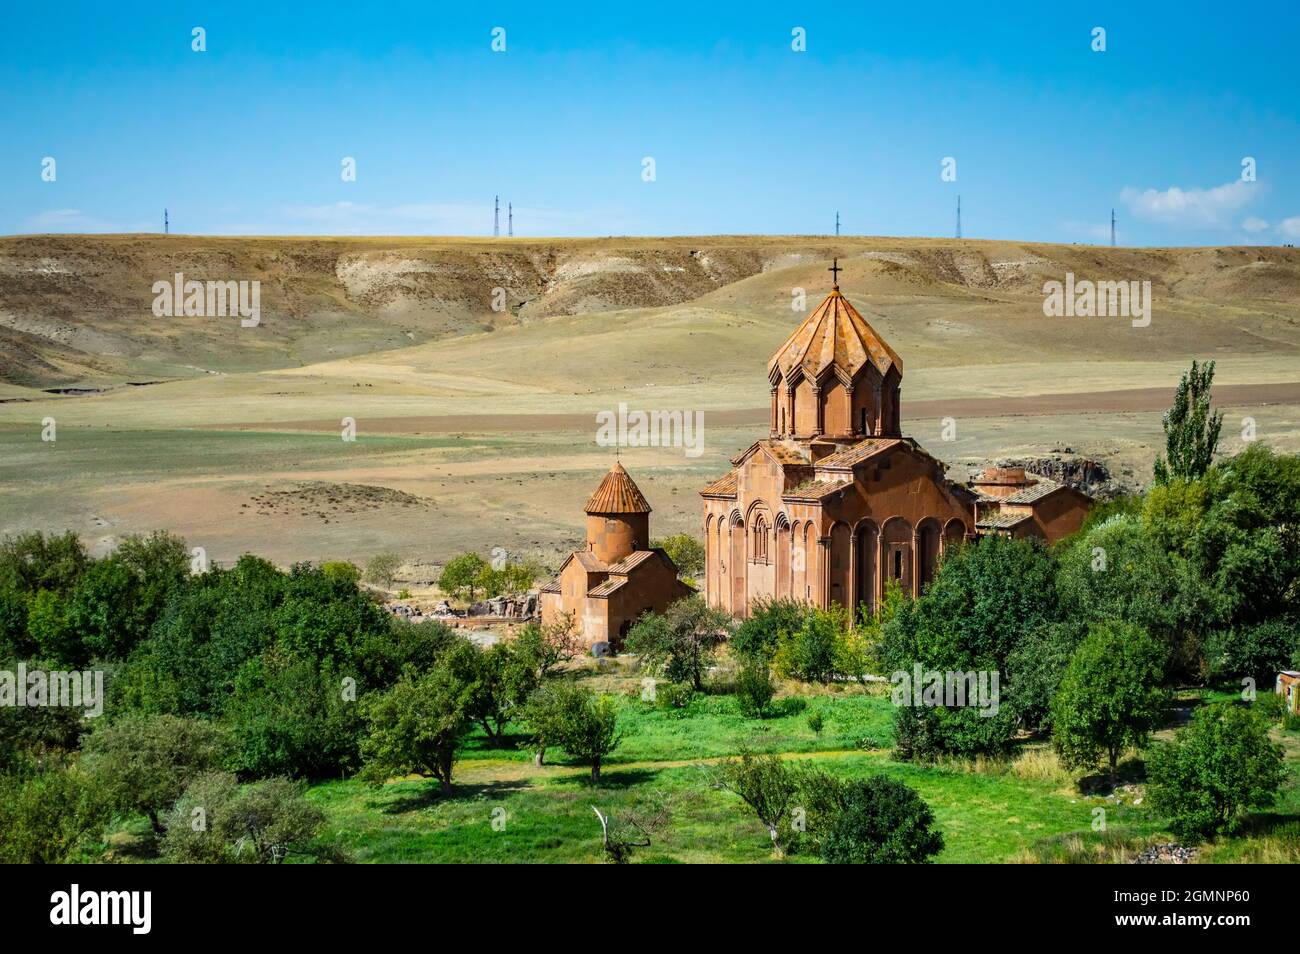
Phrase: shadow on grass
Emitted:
{"points": [[1129, 772], [431, 794]]}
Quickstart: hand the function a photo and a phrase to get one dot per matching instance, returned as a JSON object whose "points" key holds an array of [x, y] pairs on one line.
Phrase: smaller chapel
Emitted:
{"points": [[618, 577]]}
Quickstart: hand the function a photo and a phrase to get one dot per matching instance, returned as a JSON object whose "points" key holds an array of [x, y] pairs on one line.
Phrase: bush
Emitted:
{"points": [[219, 822], [341, 570], [881, 821], [808, 653], [460, 576], [588, 729], [674, 696], [1257, 650], [143, 763], [1221, 764], [816, 722], [418, 725], [685, 551], [757, 637], [754, 689], [47, 812], [682, 642], [1111, 696], [767, 786], [382, 568]]}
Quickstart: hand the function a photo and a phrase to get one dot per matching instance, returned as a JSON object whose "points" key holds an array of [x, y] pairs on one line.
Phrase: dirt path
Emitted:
{"points": [[1076, 402]]}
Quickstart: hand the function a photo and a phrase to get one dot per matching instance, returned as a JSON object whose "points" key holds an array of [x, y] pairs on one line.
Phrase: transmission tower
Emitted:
{"points": [[496, 216], [837, 224], [1112, 228], [510, 219], [167, 226], [959, 216]]}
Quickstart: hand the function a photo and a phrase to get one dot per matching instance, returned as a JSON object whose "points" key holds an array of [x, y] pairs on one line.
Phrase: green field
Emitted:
{"points": [[504, 809]]}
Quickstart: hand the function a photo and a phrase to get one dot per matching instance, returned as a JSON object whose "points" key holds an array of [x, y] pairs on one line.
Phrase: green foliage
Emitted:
{"points": [[329, 620], [381, 569], [499, 680], [47, 812], [418, 725], [545, 646], [816, 722], [342, 570], [987, 598], [1111, 696], [754, 689], [1221, 764], [219, 822], [14, 641], [1258, 650], [105, 613], [675, 697], [290, 716], [881, 822], [808, 653], [757, 636], [50, 630], [588, 729], [1036, 666], [682, 642], [143, 763], [767, 786], [1191, 429], [32, 561], [461, 575], [684, 550], [546, 713], [509, 579]]}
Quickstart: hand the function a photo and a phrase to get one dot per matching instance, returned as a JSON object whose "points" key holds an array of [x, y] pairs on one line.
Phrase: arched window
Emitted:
{"points": [[862, 421], [760, 539]]}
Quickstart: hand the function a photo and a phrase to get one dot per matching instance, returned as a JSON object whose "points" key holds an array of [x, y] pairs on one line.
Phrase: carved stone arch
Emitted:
{"points": [[710, 562], [954, 533], [781, 543], [841, 564], [896, 554], [928, 538], [866, 537], [737, 602]]}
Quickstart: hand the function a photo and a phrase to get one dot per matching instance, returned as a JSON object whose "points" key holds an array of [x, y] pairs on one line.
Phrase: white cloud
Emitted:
{"points": [[1254, 224], [67, 220], [1191, 208], [1290, 227]]}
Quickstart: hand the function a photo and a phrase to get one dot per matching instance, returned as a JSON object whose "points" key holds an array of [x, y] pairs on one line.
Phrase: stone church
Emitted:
{"points": [[618, 576], [835, 501]]}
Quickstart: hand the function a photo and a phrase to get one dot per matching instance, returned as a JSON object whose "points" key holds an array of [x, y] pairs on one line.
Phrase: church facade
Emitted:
{"points": [[618, 577], [835, 502]]}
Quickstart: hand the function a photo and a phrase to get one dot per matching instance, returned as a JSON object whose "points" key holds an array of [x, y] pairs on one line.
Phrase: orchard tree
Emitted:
{"points": [[1111, 696], [418, 725], [143, 763], [218, 821], [588, 729], [461, 575], [766, 785], [682, 642]]}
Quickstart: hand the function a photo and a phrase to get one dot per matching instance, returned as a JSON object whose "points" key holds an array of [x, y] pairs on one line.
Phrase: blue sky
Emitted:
{"points": [[747, 135]]}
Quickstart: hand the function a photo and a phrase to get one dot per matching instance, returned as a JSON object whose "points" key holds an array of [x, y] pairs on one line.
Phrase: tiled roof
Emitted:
{"points": [[617, 493], [724, 486], [1038, 491], [590, 562], [817, 490], [835, 334], [608, 587], [552, 587], [631, 561], [1002, 521], [863, 450]]}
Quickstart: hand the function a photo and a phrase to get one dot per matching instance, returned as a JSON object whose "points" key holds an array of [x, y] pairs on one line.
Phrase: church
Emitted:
{"points": [[618, 577], [835, 502]]}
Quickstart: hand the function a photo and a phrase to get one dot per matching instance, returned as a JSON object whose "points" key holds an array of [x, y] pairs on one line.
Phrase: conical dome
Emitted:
{"points": [[835, 334], [617, 493]]}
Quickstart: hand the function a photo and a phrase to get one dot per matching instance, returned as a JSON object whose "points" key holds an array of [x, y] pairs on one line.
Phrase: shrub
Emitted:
{"points": [[757, 637], [588, 729], [47, 812], [1110, 697], [881, 821], [1219, 765], [754, 689], [808, 653], [675, 696], [219, 822], [685, 551], [460, 575], [766, 785], [816, 722], [143, 763], [341, 570], [682, 642], [417, 725], [382, 568]]}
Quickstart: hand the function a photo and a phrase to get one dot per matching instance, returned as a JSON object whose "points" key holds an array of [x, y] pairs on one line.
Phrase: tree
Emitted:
{"points": [[33, 561], [46, 812], [1191, 429], [588, 729], [620, 836], [754, 689], [809, 652], [881, 821], [49, 628], [1111, 696], [544, 714], [757, 636], [461, 574], [417, 725], [543, 646], [217, 821], [105, 611], [766, 785], [498, 682], [143, 763], [381, 569], [1219, 765], [685, 551], [682, 642], [343, 570]]}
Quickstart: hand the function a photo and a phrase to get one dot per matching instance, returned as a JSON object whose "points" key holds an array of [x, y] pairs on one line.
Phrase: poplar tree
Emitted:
{"points": [[1191, 428]]}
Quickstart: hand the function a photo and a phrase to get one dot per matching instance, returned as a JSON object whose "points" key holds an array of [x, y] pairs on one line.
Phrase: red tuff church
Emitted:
{"points": [[835, 501]]}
